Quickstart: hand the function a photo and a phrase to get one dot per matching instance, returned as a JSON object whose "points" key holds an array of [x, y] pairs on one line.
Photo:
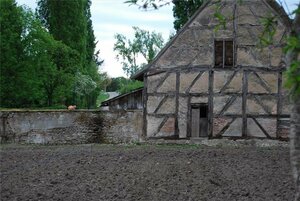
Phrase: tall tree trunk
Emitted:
{"points": [[295, 145], [294, 55], [50, 99]]}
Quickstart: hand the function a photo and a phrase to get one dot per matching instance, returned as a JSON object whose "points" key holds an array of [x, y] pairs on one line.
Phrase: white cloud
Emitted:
{"points": [[130, 13], [111, 29], [110, 65]]}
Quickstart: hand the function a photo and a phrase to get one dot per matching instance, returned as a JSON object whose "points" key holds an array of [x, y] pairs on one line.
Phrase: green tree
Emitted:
{"points": [[144, 44], [84, 84], [116, 83], [50, 63], [183, 10], [39, 59], [70, 22], [11, 68], [90, 38], [93, 61], [66, 22], [104, 81], [124, 85], [130, 85]]}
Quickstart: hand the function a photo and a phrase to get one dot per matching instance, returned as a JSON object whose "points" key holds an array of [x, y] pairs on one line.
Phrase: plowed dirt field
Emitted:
{"points": [[145, 172]]}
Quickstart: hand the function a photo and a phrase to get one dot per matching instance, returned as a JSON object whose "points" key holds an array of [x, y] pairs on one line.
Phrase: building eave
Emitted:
{"points": [[105, 103]]}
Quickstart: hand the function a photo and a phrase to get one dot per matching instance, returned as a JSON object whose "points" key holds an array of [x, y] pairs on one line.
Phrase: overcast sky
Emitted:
{"points": [[113, 16]]}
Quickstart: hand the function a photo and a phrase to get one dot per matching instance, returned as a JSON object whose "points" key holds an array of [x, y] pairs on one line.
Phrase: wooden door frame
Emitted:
{"points": [[196, 105]]}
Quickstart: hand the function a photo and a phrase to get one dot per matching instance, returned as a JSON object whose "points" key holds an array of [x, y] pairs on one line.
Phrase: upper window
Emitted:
{"points": [[224, 53]]}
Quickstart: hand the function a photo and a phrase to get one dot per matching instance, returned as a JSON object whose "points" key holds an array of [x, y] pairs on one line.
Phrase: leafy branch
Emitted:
{"points": [[149, 4], [267, 37]]}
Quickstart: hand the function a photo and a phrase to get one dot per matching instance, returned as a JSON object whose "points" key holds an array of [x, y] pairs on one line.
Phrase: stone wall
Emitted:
{"points": [[70, 127], [122, 126]]}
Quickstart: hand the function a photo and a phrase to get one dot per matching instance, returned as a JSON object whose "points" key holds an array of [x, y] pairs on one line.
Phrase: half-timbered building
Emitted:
{"points": [[218, 81]]}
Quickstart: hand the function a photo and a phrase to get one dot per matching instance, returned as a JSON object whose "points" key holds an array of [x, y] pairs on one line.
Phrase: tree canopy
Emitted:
{"points": [[12, 23], [145, 45], [124, 85], [70, 22], [183, 10], [46, 56]]}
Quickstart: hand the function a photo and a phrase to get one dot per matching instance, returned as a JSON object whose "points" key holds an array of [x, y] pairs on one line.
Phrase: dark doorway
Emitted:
{"points": [[199, 120]]}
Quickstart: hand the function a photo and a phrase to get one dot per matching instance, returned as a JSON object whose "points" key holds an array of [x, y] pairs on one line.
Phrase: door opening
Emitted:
{"points": [[199, 120]]}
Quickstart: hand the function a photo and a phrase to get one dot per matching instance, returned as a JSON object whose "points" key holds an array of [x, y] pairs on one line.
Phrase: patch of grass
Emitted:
{"points": [[115, 147], [7, 146], [179, 146], [136, 144]]}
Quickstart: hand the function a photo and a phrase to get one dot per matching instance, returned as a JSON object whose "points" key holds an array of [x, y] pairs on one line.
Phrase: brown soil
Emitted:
{"points": [[147, 172]]}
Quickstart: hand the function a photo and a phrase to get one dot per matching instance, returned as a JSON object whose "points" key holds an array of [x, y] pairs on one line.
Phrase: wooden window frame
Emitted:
{"points": [[224, 53]]}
